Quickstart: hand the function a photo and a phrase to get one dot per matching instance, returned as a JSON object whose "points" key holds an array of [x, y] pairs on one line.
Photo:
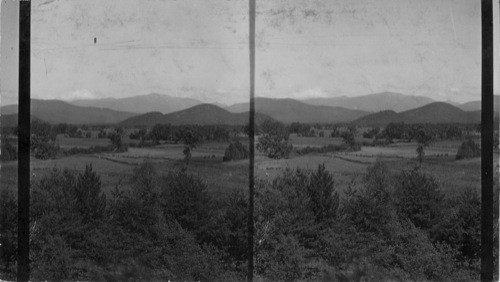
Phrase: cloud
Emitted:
{"points": [[79, 94], [309, 93]]}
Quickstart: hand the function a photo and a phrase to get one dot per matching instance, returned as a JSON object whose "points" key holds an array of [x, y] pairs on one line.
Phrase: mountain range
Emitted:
{"points": [[476, 105], [289, 110], [57, 111], [371, 103], [437, 112], [374, 102], [203, 114], [141, 104], [285, 110]]}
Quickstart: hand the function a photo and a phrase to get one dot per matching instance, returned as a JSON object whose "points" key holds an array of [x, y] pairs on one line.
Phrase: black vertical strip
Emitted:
{"points": [[251, 137], [487, 142], [23, 263]]}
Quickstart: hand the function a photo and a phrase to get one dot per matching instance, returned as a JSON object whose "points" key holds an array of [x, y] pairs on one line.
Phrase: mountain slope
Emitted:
{"points": [[204, 114], [56, 111], [289, 110], [438, 112], [374, 102], [141, 104], [380, 118], [476, 105]]}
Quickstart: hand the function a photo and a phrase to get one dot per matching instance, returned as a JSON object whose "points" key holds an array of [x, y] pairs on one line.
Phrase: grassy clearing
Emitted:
{"points": [[219, 176], [345, 172], [111, 172], [313, 141], [452, 175], [206, 162], [68, 142], [408, 150]]}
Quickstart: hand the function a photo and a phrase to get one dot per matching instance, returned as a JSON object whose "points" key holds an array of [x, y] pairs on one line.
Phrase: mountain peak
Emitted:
{"points": [[375, 102], [142, 103], [202, 114], [436, 112]]}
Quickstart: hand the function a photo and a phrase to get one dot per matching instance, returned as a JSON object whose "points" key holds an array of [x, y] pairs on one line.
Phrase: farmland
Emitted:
{"points": [[347, 167], [207, 196]]}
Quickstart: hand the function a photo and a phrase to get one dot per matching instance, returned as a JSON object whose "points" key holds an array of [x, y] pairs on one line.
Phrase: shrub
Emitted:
{"points": [[8, 234], [418, 197], [281, 259], [468, 149], [116, 140], [9, 152], [461, 227], [324, 200], [45, 150], [235, 151], [91, 150], [274, 140], [90, 202], [330, 148], [184, 199]]}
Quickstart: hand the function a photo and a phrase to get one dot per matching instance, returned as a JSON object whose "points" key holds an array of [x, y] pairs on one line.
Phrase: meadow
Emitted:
{"points": [[206, 162]]}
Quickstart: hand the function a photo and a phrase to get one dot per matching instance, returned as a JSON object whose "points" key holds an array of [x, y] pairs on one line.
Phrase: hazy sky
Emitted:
{"points": [[199, 48]]}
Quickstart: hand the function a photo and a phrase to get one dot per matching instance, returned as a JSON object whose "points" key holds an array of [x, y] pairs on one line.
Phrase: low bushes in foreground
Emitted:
{"points": [[395, 226]]}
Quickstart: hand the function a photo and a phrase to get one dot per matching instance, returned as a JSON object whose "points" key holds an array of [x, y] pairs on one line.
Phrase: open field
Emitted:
{"points": [[115, 168], [111, 172], [408, 150], [300, 142], [206, 162], [68, 142]]}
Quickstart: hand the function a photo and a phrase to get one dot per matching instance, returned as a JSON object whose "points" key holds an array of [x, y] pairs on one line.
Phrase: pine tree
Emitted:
{"points": [[90, 202]]}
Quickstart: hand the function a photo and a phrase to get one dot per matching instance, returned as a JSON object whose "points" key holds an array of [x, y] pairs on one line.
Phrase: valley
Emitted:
{"points": [[192, 166]]}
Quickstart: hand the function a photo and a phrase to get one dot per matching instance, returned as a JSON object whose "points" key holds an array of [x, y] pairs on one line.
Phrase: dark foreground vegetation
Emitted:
{"points": [[171, 226]]}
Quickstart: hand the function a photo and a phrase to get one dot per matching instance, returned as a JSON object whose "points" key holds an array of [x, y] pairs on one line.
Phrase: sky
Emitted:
{"points": [[199, 48]]}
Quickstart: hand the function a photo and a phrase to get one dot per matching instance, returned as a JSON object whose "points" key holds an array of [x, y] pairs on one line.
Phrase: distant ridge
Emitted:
{"points": [[203, 114], [437, 112], [152, 102], [476, 105], [57, 111], [374, 102], [290, 110]]}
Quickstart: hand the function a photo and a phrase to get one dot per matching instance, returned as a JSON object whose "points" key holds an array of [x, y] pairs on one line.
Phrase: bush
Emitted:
{"points": [[78, 235], [184, 199], [321, 150], [90, 202], [9, 152], [419, 198], [44, 150], [8, 234], [116, 140], [235, 151], [468, 149], [281, 259], [274, 140], [91, 150], [324, 200]]}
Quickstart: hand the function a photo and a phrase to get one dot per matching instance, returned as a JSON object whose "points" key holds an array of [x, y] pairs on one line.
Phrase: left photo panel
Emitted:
{"points": [[138, 168]]}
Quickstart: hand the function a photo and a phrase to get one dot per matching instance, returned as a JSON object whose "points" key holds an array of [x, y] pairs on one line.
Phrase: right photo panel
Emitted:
{"points": [[368, 140]]}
